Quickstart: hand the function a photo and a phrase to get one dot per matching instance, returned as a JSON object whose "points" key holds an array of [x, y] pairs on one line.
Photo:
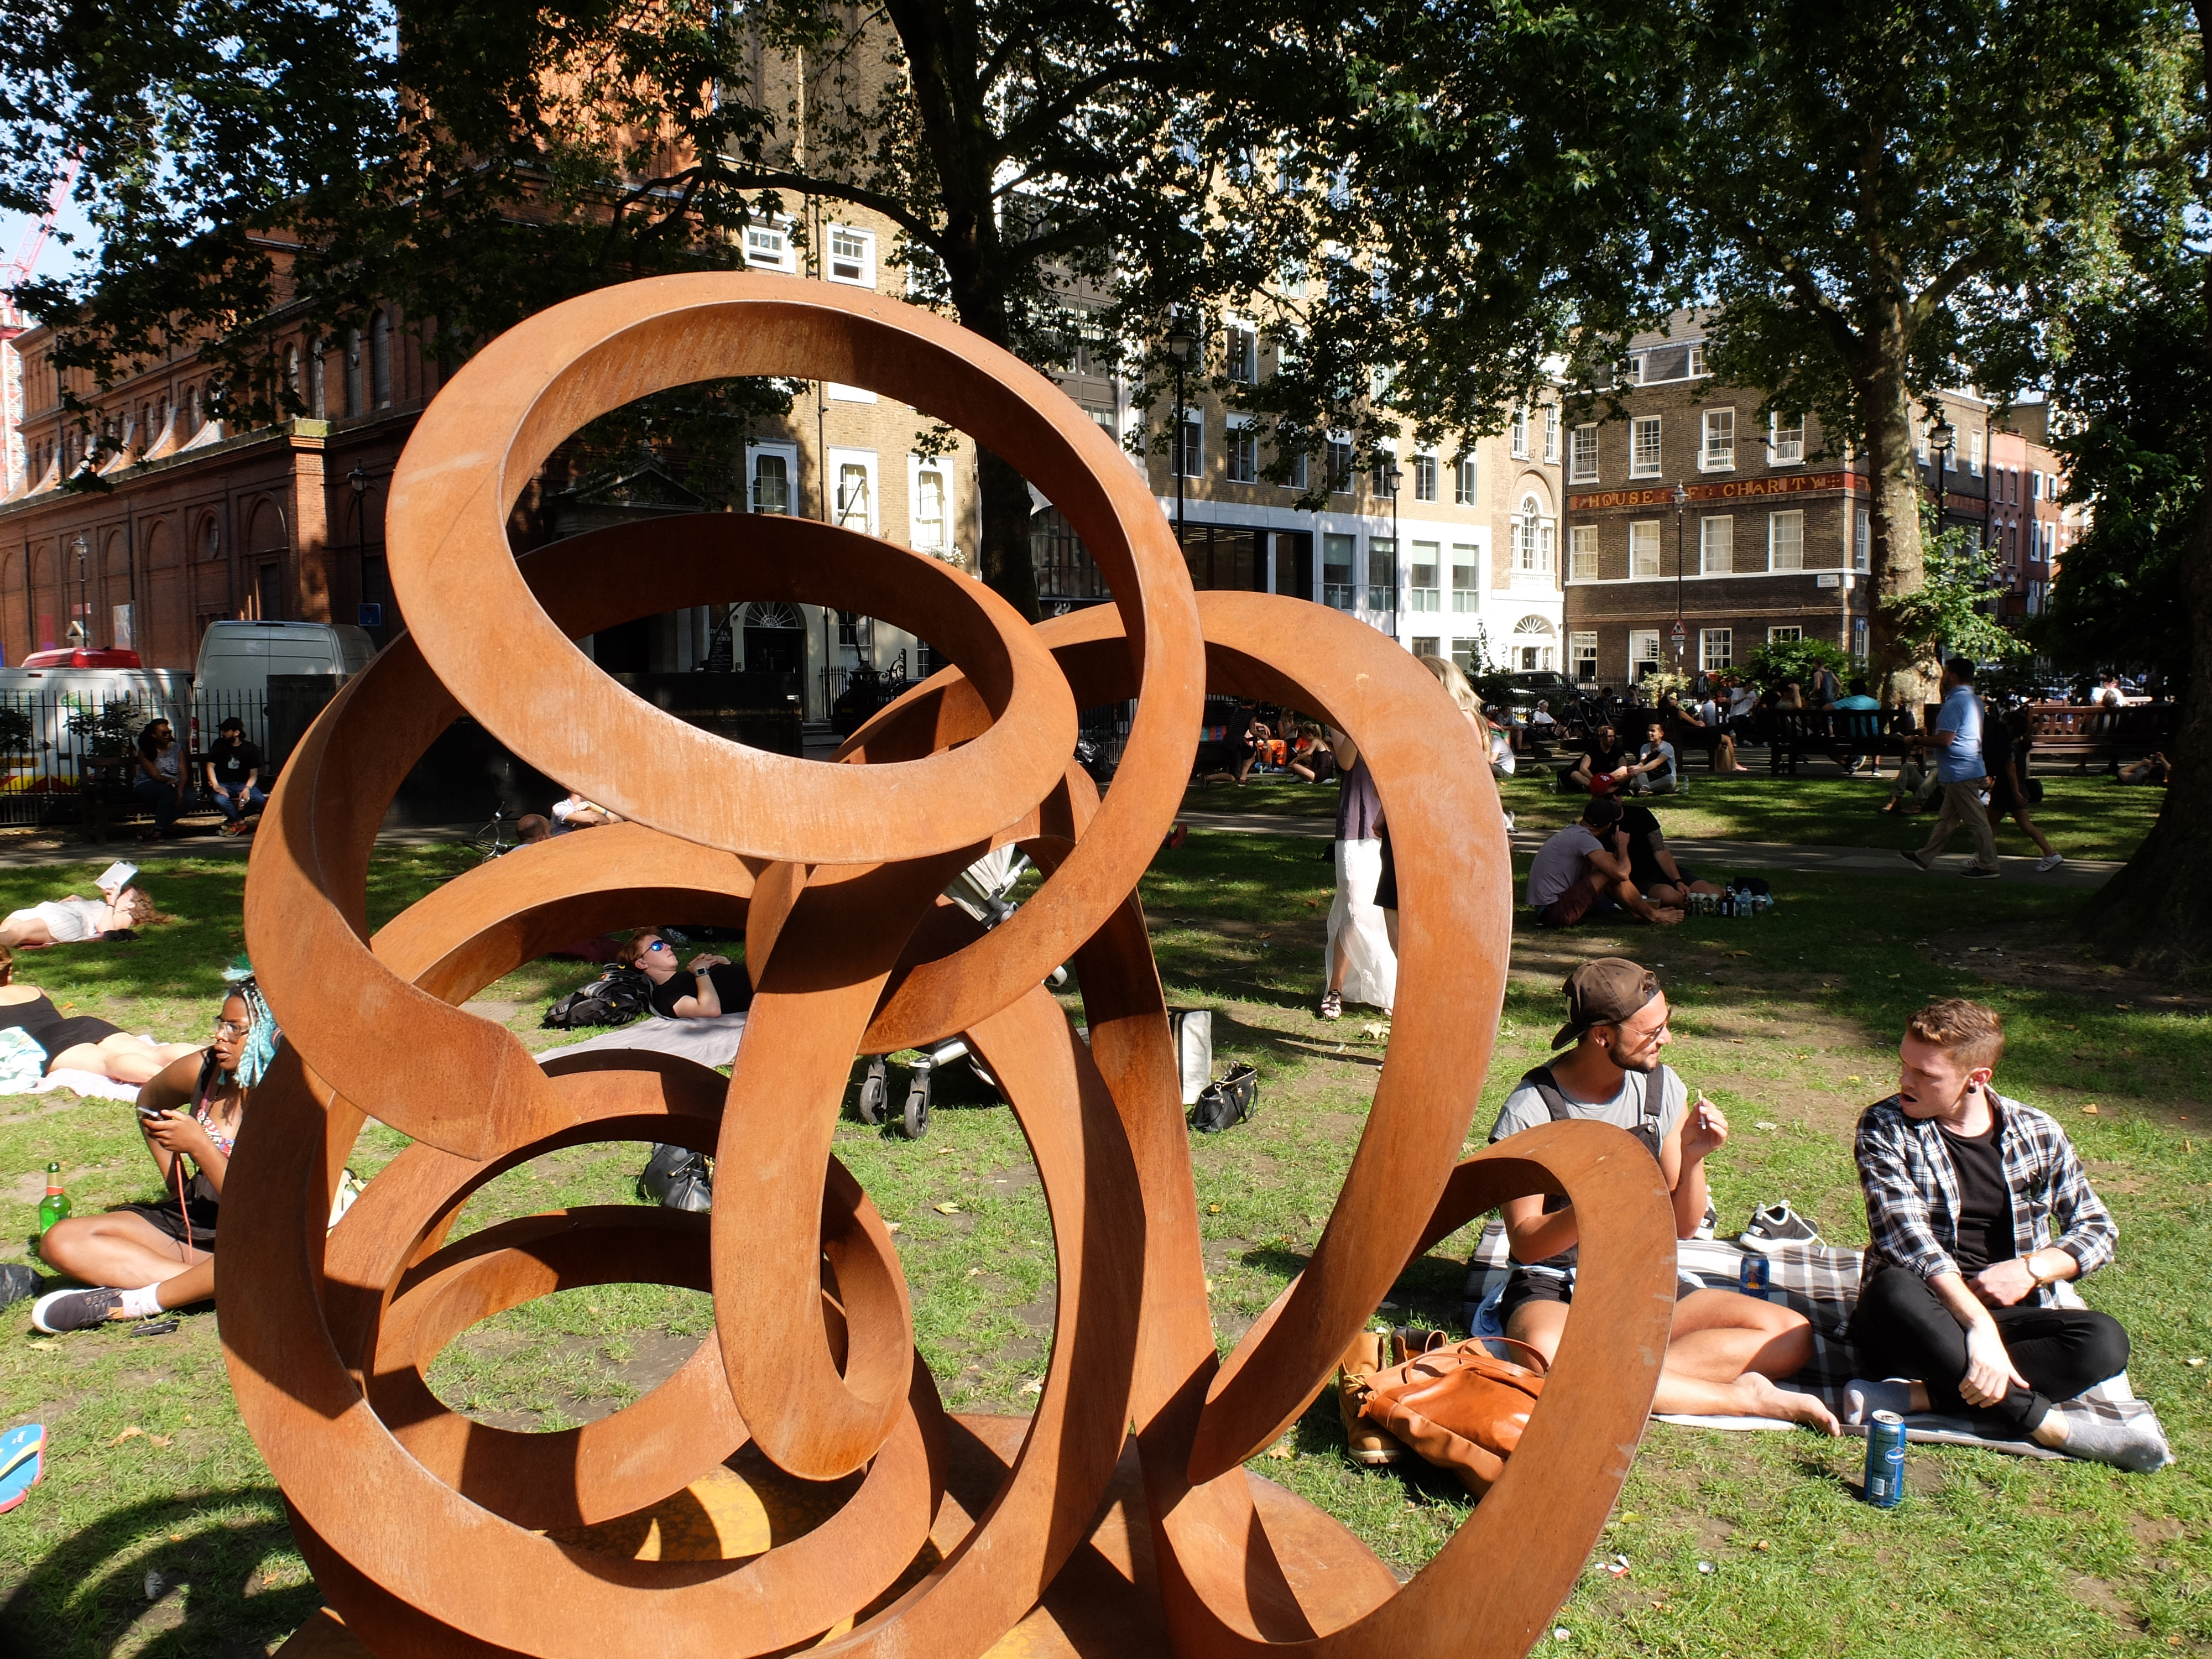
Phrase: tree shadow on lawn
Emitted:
{"points": [[88, 1597]]}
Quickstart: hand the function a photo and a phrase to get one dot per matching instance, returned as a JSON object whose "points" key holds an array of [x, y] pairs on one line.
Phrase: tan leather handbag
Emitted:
{"points": [[1458, 1405]]}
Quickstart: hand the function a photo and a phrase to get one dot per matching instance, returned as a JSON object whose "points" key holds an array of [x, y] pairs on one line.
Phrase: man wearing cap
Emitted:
{"points": [[1727, 1348], [1583, 871], [232, 767]]}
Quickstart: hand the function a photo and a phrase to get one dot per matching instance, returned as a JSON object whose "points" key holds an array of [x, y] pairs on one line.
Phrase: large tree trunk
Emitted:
{"points": [[1897, 556], [2156, 913]]}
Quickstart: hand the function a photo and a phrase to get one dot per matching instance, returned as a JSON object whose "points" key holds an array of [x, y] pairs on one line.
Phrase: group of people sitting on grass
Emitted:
{"points": [[1977, 1206], [1611, 860]]}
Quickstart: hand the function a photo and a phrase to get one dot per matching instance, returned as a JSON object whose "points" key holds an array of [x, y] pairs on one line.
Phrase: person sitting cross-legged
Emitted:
{"points": [[1977, 1206], [142, 1258], [1584, 870], [1727, 1349], [1653, 771]]}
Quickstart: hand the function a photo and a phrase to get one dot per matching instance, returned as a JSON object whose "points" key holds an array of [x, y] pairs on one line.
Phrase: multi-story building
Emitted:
{"points": [[1697, 533], [199, 521], [1463, 562], [2027, 525]]}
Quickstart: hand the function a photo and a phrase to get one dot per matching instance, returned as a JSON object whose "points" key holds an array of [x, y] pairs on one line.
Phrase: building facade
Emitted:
{"points": [[1697, 533]]}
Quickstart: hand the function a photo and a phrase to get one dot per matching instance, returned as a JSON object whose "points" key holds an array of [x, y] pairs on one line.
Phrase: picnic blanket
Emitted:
{"points": [[83, 1083], [1822, 1283], [709, 1041]]}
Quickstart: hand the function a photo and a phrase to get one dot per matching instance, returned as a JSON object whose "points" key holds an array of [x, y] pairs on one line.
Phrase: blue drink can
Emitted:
{"points": [[1755, 1275], [1885, 1468]]}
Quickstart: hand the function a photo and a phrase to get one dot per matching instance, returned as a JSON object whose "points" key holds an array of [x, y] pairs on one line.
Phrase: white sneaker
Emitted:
{"points": [[1509, 823], [2052, 862]]}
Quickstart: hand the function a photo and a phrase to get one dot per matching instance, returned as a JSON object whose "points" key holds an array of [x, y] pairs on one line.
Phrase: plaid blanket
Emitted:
{"points": [[1822, 1283]]}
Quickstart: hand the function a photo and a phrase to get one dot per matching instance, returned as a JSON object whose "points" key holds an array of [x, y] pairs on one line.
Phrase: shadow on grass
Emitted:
{"points": [[88, 1597]]}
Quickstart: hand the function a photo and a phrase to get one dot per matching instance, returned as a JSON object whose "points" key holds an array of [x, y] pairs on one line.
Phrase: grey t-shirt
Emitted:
{"points": [[1560, 862], [1524, 1108]]}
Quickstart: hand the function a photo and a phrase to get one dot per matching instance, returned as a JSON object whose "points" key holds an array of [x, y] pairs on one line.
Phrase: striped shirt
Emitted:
{"points": [[1911, 1189]]}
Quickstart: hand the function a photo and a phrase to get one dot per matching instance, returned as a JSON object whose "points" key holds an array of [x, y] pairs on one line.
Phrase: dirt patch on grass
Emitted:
{"points": [[2045, 957]]}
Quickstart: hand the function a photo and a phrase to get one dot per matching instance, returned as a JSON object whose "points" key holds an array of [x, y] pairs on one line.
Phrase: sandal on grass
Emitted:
{"points": [[22, 1463]]}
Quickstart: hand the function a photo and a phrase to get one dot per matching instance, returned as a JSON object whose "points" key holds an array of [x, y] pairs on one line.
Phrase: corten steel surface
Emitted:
{"points": [[926, 1536]]}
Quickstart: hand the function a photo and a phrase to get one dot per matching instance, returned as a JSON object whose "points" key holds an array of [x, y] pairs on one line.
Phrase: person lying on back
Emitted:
{"points": [[711, 987]]}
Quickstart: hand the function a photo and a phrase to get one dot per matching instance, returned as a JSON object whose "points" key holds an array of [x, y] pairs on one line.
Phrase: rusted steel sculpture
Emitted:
{"points": [[433, 1535]]}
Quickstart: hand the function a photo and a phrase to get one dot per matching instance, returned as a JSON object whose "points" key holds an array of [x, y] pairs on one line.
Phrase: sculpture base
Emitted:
{"points": [[1105, 1600]]}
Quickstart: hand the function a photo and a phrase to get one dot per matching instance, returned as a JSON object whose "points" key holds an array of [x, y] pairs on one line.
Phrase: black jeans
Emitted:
{"points": [[1902, 1328]]}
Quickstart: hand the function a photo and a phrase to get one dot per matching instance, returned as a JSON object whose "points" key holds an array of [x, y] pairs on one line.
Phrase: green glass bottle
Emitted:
{"points": [[55, 1205]]}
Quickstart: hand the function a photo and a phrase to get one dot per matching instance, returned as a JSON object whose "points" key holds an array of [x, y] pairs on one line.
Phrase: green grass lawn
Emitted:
{"points": [[1790, 1022], [2091, 818]]}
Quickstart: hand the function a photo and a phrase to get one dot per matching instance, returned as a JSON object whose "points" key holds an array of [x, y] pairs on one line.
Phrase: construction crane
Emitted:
{"points": [[14, 454]]}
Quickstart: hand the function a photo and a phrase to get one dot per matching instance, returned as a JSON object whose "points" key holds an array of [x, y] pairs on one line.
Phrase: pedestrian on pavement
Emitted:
{"points": [[1359, 961], [2005, 755], [1957, 741]]}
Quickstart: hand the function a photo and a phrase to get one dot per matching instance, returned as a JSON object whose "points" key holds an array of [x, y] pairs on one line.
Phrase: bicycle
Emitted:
{"points": [[492, 839]]}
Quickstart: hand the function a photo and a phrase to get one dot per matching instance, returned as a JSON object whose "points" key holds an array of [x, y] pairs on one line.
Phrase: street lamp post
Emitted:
{"points": [[83, 594], [1940, 439], [1682, 501], [1391, 477], [1181, 344]]}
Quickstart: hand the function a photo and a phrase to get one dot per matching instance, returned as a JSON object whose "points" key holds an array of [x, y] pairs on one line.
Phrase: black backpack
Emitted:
{"points": [[615, 998]]}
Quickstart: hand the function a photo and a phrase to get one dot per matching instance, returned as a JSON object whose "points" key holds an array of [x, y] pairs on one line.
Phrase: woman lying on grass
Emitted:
{"points": [[80, 1042], [164, 1253], [73, 921]]}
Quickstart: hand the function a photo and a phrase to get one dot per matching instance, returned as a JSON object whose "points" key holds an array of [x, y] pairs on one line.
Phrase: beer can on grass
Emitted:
{"points": [[1755, 1275], [1885, 1468]]}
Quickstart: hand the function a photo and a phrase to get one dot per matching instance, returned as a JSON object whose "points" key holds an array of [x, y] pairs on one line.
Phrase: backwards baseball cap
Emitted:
{"points": [[1604, 992], [1603, 812]]}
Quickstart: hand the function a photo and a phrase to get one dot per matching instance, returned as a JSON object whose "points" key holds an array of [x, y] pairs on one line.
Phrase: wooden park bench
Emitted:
{"points": [[1825, 733], [2077, 734]]}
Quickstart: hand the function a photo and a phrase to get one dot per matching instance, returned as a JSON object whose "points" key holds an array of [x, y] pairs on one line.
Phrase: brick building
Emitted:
{"points": [[2028, 529], [1689, 511]]}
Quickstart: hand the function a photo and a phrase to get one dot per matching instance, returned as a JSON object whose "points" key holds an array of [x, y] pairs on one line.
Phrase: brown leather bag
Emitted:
{"points": [[1458, 1405]]}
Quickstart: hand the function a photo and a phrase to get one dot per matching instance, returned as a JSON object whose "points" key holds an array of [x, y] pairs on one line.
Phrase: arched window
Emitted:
{"points": [[380, 359], [292, 374], [315, 402], [1532, 534], [1532, 647], [210, 538], [191, 410], [353, 372]]}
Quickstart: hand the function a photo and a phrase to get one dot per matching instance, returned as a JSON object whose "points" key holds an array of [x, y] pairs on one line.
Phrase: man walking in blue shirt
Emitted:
{"points": [[1957, 740]]}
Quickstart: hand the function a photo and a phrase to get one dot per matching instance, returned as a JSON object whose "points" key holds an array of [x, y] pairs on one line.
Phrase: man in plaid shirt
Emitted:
{"points": [[1977, 1206]]}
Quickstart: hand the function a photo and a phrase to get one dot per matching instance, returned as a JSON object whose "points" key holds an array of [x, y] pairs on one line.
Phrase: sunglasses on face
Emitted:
{"points": [[660, 944]]}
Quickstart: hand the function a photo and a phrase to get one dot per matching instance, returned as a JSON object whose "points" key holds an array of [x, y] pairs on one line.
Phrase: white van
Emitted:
{"points": [[237, 658], [41, 710]]}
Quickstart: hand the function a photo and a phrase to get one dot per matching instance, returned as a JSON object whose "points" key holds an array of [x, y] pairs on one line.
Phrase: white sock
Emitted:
{"points": [[141, 1304]]}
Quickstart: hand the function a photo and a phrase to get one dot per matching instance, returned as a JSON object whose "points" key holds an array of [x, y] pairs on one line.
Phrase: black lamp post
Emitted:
{"points": [[83, 594], [1940, 439], [1391, 477], [1682, 501], [1183, 345]]}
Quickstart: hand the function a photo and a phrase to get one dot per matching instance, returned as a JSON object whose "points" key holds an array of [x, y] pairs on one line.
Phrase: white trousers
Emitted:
{"points": [[1371, 972]]}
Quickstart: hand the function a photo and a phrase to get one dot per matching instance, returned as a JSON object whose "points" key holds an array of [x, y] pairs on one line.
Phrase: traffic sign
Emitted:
{"points": [[1680, 632]]}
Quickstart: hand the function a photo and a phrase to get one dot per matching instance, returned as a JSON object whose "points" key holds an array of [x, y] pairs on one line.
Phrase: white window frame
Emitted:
{"points": [[864, 275], [840, 393], [793, 494], [1785, 445], [1532, 534], [2035, 485], [1236, 330], [1716, 649], [1638, 541], [1719, 541], [1180, 460], [1581, 648], [1785, 635], [1428, 598], [1581, 553], [1582, 454], [1518, 434], [1780, 526], [1644, 459], [1694, 366], [943, 466], [1862, 540], [1467, 601], [1551, 434], [1466, 482], [1976, 461], [1713, 455], [1635, 634], [780, 225], [1241, 428], [1425, 473], [837, 461]]}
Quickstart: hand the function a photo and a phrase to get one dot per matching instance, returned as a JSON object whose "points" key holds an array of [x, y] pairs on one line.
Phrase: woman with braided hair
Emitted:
{"points": [[164, 1254]]}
